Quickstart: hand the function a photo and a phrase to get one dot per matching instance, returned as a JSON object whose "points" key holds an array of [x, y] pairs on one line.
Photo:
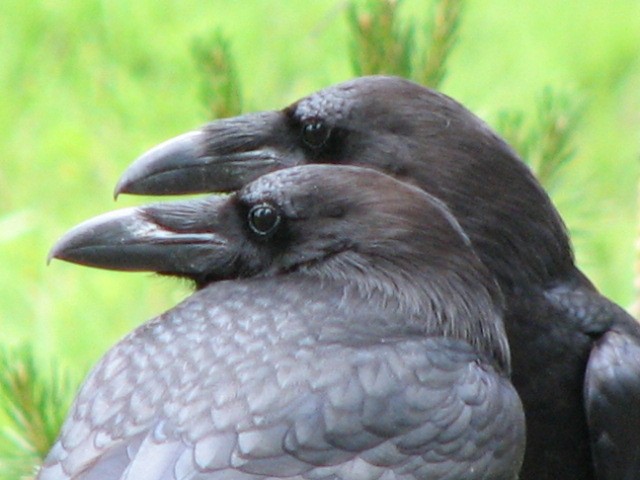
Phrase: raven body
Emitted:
{"points": [[576, 355], [335, 337]]}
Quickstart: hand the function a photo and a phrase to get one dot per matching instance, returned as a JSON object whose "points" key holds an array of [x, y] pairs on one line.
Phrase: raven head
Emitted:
{"points": [[287, 220], [351, 227], [403, 129]]}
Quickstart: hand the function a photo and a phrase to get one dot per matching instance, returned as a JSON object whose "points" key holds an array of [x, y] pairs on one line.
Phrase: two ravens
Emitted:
{"points": [[317, 269]]}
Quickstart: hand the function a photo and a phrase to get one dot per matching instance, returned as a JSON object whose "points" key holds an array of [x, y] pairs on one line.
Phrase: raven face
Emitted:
{"points": [[352, 227], [280, 222], [371, 122], [331, 220], [222, 157], [403, 129], [194, 239]]}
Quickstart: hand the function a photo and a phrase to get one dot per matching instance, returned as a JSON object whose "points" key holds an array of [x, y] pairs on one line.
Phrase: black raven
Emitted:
{"points": [[347, 330], [576, 355]]}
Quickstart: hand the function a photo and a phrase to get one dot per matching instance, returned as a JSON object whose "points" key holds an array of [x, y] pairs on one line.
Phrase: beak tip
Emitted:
{"points": [[81, 244], [141, 178], [121, 187], [62, 250], [132, 180], [57, 251]]}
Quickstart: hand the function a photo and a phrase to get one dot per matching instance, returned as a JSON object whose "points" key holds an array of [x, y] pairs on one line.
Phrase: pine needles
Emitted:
{"points": [[383, 45], [380, 44], [33, 406], [220, 88], [544, 139]]}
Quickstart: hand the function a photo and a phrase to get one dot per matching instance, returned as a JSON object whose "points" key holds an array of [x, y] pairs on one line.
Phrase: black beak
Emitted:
{"points": [[190, 238], [221, 157]]}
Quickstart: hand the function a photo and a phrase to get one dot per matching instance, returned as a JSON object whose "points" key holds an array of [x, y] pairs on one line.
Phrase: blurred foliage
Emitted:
{"points": [[89, 85], [443, 35], [380, 44], [220, 86], [545, 138], [34, 405], [383, 44]]}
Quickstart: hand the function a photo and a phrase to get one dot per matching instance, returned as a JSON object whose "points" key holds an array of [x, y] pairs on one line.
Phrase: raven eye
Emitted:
{"points": [[315, 134], [263, 219]]}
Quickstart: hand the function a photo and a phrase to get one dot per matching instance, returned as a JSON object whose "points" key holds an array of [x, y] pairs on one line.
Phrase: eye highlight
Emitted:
{"points": [[315, 133], [263, 219]]}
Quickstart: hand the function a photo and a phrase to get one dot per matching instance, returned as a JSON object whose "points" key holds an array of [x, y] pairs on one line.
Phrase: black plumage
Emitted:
{"points": [[347, 330], [576, 355]]}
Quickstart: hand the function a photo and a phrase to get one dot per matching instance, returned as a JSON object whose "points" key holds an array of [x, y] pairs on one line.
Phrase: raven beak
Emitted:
{"points": [[221, 157], [186, 238]]}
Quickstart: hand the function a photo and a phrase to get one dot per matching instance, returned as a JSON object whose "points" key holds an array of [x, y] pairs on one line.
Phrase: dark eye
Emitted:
{"points": [[315, 134], [263, 219]]}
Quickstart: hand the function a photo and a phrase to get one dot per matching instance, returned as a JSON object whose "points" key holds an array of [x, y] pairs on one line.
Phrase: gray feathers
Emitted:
{"points": [[198, 393]]}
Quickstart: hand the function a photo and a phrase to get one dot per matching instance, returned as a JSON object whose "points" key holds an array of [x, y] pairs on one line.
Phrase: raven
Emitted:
{"points": [[346, 330], [576, 355]]}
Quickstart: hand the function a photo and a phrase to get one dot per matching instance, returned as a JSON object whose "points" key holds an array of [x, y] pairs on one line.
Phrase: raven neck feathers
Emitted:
{"points": [[452, 300], [510, 219]]}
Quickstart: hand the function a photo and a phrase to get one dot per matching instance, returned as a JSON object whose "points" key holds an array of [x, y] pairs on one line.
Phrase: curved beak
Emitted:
{"points": [[189, 238], [221, 157]]}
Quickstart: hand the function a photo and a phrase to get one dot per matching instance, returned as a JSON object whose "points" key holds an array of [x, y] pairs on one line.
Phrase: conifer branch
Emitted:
{"points": [[220, 88], [545, 140], [382, 44], [33, 406], [443, 36]]}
